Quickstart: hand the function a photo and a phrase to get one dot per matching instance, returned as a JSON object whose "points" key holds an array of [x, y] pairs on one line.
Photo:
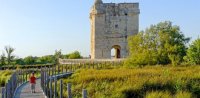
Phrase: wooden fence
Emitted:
{"points": [[16, 79], [49, 81], [14, 67], [89, 61], [50, 76]]}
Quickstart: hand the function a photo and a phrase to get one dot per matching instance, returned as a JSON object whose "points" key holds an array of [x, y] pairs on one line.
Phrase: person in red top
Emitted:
{"points": [[32, 82]]}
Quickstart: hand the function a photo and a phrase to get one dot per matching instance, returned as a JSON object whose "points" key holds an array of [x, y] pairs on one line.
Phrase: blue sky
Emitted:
{"points": [[39, 27]]}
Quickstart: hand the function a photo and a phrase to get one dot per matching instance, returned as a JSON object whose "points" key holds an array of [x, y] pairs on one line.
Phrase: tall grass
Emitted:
{"points": [[166, 82], [4, 76]]}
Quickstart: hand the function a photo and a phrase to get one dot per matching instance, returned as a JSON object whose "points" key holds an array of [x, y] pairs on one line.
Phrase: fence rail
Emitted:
{"points": [[14, 67], [90, 61], [49, 84], [51, 76], [16, 79]]}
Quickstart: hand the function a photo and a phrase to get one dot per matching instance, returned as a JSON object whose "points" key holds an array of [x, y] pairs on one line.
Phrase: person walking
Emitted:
{"points": [[32, 82]]}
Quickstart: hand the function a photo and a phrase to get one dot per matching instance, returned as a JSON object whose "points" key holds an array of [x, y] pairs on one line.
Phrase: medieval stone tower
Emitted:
{"points": [[111, 24]]}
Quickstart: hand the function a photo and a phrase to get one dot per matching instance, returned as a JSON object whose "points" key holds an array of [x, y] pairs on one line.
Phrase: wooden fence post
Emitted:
{"points": [[51, 87], [26, 76], [9, 82], [70, 67], [58, 69], [93, 65], [48, 76], [12, 85], [41, 77], [55, 70], [66, 67], [98, 65], [48, 71], [89, 65], [84, 65], [62, 69], [84, 93], [69, 90], [79, 66], [45, 85], [55, 87], [61, 88], [7, 90], [3, 92], [22, 76], [52, 71], [17, 78]]}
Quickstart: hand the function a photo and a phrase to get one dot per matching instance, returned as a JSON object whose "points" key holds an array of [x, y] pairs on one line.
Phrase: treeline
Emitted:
{"points": [[9, 59], [163, 44]]}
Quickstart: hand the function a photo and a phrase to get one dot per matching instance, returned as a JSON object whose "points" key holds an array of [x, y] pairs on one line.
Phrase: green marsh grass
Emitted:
{"points": [[4, 76], [146, 82]]}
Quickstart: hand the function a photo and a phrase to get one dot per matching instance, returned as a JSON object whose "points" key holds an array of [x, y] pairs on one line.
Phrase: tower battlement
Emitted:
{"points": [[117, 8]]}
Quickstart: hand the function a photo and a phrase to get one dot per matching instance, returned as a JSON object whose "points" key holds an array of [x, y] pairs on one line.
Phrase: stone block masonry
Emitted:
{"points": [[111, 24]]}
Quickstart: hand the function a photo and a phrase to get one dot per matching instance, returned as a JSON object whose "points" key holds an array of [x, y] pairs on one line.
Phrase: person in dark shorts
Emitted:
{"points": [[32, 81]]}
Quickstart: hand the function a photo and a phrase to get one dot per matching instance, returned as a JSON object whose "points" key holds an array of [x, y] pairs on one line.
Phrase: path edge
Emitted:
{"points": [[21, 86], [18, 88]]}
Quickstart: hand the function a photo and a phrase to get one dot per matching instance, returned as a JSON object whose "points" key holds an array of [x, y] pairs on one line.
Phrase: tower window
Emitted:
{"points": [[116, 26], [126, 14]]}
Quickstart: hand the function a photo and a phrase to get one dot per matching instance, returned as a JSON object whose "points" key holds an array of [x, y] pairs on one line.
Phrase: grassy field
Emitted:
{"points": [[147, 82]]}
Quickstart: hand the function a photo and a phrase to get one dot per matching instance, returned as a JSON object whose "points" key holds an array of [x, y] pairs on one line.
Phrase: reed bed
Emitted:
{"points": [[146, 82]]}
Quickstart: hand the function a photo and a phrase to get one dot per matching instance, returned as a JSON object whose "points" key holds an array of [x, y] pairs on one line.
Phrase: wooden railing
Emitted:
{"points": [[9, 89], [14, 67], [17, 78], [89, 61], [52, 75]]}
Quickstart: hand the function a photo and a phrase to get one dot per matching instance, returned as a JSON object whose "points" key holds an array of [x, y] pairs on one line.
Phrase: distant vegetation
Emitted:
{"points": [[146, 82], [162, 44], [10, 59]]}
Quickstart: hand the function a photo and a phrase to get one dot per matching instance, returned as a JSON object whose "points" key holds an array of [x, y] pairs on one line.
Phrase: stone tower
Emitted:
{"points": [[111, 24]]}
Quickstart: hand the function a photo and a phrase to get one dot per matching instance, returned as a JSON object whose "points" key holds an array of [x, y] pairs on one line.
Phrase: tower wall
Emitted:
{"points": [[111, 24]]}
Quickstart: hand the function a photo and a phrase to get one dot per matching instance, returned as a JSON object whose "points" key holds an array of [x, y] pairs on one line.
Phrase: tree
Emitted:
{"points": [[163, 43], [45, 59], [9, 50], [30, 60], [57, 55], [193, 53], [74, 55], [2, 59], [19, 61]]}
